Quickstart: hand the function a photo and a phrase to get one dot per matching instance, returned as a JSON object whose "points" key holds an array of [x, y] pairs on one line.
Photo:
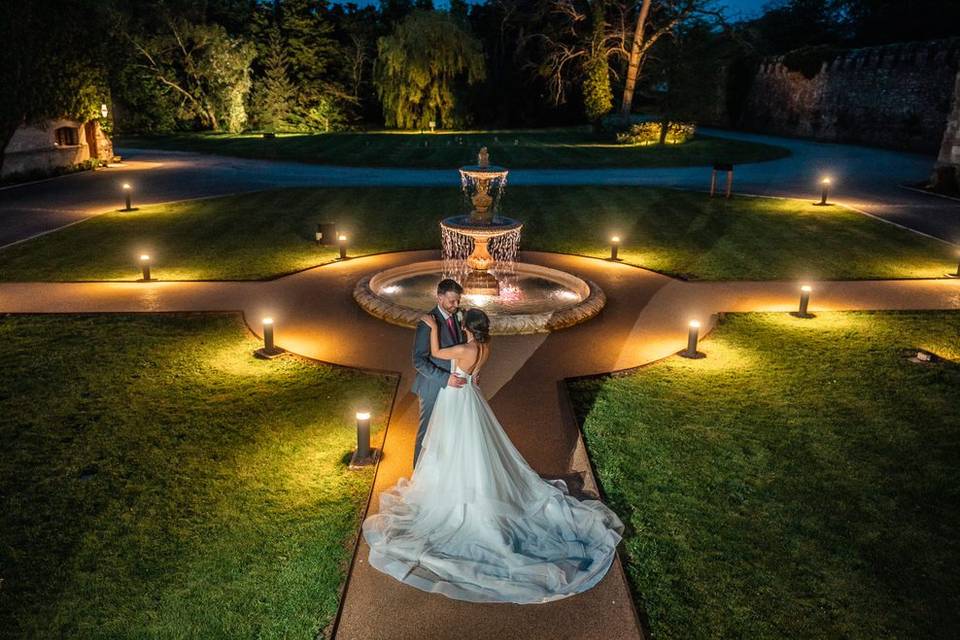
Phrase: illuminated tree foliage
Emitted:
{"points": [[420, 66], [597, 96], [204, 67], [272, 99]]}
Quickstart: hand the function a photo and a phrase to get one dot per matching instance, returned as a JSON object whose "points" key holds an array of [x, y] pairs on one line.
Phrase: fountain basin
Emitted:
{"points": [[532, 298]]}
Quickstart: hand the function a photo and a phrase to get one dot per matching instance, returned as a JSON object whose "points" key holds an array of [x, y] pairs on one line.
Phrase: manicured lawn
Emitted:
{"points": [[682, 233], [158, 481], [564, 148], [800, 482]]}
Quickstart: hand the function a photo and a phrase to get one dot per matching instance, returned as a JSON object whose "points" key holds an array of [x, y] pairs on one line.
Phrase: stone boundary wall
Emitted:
{"points": [[897, 96]]}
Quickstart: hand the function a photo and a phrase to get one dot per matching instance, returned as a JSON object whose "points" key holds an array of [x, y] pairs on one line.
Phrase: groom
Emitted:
{"points": [[434, 374]]}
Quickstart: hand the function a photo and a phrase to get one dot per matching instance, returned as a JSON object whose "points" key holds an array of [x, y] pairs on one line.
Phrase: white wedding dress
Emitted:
{"points": [[476, 523]]}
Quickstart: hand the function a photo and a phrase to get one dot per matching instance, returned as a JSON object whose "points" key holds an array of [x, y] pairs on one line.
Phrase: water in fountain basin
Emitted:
{"points": [[519, 292]]}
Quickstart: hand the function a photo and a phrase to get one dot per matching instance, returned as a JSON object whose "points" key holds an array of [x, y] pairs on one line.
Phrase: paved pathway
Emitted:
{"points": [[865, 178], [645, 320]]}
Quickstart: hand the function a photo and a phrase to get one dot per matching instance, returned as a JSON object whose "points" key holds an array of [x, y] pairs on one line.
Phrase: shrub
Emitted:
{"points": [[647, 133]]}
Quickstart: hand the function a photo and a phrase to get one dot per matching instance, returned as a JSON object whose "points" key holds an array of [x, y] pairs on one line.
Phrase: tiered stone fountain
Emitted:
{"points": [[479, 251]]}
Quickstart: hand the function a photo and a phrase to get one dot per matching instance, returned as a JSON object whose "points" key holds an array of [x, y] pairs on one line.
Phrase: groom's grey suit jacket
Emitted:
{"points": [[432, 373]]}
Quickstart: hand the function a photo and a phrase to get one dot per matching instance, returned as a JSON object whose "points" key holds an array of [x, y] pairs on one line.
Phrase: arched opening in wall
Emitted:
{"points": [[66, 137]]}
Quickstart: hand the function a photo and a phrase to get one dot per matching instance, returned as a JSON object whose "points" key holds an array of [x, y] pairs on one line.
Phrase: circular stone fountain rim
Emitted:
{"points": [[499, 225], [521, 323], [481, 169]]}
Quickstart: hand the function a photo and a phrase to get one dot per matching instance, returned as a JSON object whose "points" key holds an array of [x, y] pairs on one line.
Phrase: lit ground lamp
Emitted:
{"points": [[693, 336], [824, 190], [145, 267], [269, 350], [615, 248], [364, 456], [804, 302], [127, 190], [342, 241]]}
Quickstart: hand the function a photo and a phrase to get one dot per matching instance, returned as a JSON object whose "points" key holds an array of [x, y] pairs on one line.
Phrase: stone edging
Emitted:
{"points": [[499, 325]]}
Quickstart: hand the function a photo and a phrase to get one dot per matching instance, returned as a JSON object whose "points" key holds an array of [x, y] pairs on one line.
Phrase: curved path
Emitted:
{"points": [[866, 179], [645, 320]]}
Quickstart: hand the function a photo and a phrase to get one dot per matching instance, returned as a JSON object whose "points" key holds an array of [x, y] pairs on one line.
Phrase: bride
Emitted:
{"points": [[475, 522]]}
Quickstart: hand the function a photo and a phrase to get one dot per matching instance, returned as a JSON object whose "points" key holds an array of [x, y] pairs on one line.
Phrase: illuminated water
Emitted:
{"points": [[520, 292]]}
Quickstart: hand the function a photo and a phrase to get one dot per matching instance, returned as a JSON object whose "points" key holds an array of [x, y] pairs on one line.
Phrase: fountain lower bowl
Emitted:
{"points": [[468, 226], [536, 299]]}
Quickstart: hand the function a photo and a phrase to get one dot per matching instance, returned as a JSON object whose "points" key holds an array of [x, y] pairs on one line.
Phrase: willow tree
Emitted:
{"points": [[420, 65]]}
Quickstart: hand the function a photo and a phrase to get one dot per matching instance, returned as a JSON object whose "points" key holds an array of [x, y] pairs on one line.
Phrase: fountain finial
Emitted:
{"points": [[483, 158]]}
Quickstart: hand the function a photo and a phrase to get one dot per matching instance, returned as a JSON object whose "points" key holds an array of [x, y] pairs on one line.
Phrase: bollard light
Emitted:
{"points": [[824, 188], [804, 302], [693, 336], [145, 267], [342, 241], [127, 189], [363, 434], [614, 247], [364, 455], [269, 350], [268, 334]]}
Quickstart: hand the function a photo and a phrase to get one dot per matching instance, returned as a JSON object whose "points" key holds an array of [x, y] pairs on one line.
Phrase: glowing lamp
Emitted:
{"points": [[145, 267], [804, 302], [693, 336], [127, 189], [824, 188], [364, 455], [342, 241], [614, 247], [269, 350]]}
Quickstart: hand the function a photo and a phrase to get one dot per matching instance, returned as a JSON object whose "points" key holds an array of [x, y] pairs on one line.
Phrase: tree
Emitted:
{"points": [[419, 66], [272, 99], [631, 31], [597, 96], [49, 66], [208, 69]]}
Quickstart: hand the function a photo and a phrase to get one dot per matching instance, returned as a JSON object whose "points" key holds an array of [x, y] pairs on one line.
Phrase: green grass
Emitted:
{"points": [[158, 481], [800, 482], [566, 148], [264, 234]]}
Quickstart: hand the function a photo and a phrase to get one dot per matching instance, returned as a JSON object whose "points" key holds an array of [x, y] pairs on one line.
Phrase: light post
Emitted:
{"points": [[269, 349], [145, 267], [693, 336], [127, 189], [615, 248], [824, 189], [268, 334], [364, 456], [342, 240], [804, 302]]}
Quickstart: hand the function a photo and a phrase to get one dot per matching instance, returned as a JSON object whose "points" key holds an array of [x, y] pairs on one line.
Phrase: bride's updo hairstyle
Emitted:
{"points": [[479, 325]]}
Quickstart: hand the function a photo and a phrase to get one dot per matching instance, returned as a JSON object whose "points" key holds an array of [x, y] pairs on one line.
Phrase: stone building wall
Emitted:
{"points": [[896, 96], [55, 144], [947, 173]]}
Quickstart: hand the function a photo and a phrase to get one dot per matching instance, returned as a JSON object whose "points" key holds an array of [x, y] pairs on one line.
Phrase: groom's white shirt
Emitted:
{"points": [[443, 314]]}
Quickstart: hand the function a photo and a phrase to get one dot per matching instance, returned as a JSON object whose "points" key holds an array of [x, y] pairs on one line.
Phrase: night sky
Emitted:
{"points": [[734, 8]]}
